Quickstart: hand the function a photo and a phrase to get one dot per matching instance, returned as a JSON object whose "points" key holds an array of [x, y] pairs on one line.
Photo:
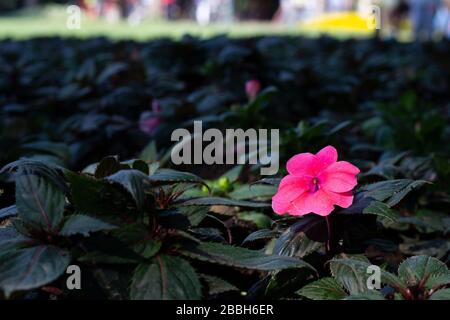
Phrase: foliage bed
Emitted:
{"points": [[83, 183]]}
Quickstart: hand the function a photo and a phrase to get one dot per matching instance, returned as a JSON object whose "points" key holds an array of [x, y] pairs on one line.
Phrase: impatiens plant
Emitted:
{"points": [[123, 223], [147, 229], [419, 278], [315, 184]]}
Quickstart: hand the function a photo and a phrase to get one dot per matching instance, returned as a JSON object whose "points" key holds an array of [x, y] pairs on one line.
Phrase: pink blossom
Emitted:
{"points": [[149, 124], [148, 121], [252, 88], [315, 184]]}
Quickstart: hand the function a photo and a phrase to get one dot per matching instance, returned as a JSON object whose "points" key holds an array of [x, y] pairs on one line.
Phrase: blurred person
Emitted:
{"points": [[422, 15], [135, 11], [214, 10], [441, 21], [90, 7], [203, 12], [396, 13], [291, 11], [111, 10], [170, 9], [339, 5]]}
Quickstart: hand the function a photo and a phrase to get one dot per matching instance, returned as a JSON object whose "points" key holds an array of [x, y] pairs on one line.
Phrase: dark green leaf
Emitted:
{"points": [[195, 214], [417, 269], [165, 278], [241, 257], [8, 212], [369, 295], [82, 224], [262, 234], [381, 209], [210, 201], [39, 201], [323, 289], [107, 166], [134, 181], [167, 176], [247, 192], [443, 294], [352, 273], [392, 191], [31, 268], [217, 285]]}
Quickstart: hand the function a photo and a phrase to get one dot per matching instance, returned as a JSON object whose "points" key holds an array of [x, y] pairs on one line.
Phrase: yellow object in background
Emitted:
{"points": [[339, 21]]}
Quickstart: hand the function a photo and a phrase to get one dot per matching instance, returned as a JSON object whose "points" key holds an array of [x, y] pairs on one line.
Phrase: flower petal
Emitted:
{"points": [[327, 156], [301, 164], [291, 187], [281, 207], [318, 202], [337, 181], [343, 200], [343, 166]]}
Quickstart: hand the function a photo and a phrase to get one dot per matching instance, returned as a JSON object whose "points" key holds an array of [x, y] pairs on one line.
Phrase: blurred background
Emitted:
{"points": [[144, 19]]}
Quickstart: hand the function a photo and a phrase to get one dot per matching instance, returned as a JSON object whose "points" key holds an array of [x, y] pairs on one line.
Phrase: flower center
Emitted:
{"points": [[315, 184]]}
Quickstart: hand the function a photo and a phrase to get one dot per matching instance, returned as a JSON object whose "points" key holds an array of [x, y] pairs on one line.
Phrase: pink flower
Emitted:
{"points": [[148, 122], [315, 184], [252, 88]]}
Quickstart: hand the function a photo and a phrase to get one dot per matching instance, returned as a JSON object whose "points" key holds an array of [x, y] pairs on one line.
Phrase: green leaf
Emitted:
{"points": [[107, 166], [82, 224], [437, 248], [149, 154], [381, 209], [268, 181], [392, 191], [422, 269], [443, 294], [233, 174], [217, 285], [323, 289], [241, 257], [39, 201], [30, 166], [8, 212], [246, 192], [295, 245], [87, 194], [168, 176], [369, 295], [134, 182], [210, 201], [110, 70], [60, 150], [10, 239], [296, 240], [260, 220], [140, 166], [351, 272], [260, 235], [195, 214], [165, 278], [149, 248], [353, 279], [31, 268]]}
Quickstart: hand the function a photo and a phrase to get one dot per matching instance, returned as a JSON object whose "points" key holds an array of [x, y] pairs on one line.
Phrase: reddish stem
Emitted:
{"points": [[328, 248]]}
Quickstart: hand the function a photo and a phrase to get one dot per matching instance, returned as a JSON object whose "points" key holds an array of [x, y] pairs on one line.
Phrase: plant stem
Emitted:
{"points": [[328, 246]]}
